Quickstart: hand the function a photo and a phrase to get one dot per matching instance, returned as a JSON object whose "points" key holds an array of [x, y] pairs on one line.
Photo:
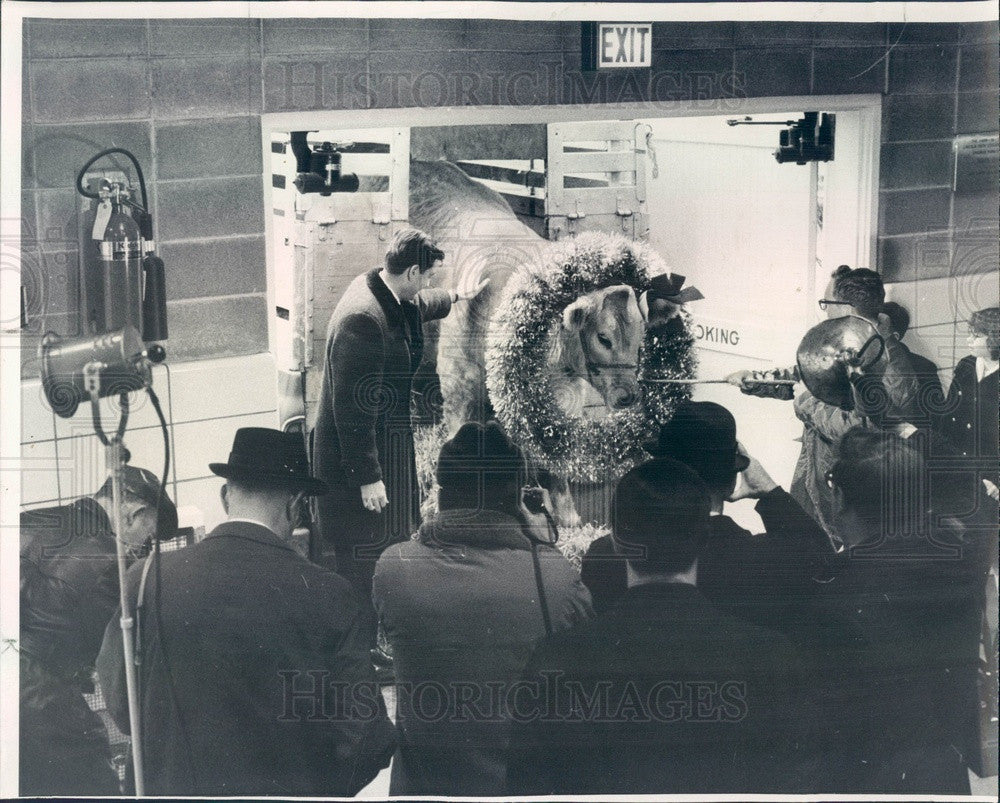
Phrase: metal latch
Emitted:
{"points": [[621, 210], [576, 214]]}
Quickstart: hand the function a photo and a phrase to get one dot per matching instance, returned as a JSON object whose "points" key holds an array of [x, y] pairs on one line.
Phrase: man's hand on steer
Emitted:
{"points": [[466, 293], [373, 496]]}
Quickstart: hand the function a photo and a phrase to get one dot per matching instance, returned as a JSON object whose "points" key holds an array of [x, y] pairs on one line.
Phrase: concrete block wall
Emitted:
{"points": [[186, 96]]}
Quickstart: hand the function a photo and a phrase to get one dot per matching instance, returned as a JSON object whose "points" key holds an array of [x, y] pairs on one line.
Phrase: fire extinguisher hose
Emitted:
{"points": [[80, 188]]}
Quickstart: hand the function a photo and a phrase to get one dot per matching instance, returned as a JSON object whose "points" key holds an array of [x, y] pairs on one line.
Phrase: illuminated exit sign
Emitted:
{"points": [[616, 44]]}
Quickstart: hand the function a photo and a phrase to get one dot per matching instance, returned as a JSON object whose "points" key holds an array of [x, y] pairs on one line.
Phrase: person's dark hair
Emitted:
{"points": [[861, 287], [141, 485], [660, 516], [879, 475], [411, 247], [987, 322], [899, 318], [480, 469], [250, 486]]}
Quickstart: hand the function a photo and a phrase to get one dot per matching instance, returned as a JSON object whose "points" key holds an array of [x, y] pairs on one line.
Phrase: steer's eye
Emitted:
{"points": [[604, 340]]}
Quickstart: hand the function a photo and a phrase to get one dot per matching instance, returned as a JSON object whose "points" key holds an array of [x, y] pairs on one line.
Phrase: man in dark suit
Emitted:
{"points": [[896, 628], [930, 395], [69, 590], [363, 438], [255, 677], [763, 577], [662, 694]]}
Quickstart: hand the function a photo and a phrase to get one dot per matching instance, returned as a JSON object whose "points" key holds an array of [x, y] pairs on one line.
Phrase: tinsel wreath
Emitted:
{"points": [[518, 344]]}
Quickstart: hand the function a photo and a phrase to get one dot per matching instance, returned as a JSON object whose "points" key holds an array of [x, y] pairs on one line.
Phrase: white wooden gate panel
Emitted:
{"points": [[323, 242], [596, 178]]}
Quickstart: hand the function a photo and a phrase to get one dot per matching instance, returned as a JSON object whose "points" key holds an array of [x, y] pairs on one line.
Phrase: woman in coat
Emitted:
{"points": [[970, 423], [461, 608]]}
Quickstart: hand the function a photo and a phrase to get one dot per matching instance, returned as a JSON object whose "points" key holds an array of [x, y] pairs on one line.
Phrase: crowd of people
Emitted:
{"points": [[836, 651]]}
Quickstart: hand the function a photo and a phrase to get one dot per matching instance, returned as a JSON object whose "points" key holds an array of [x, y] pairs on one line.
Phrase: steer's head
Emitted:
{"points": [[609, 329]]}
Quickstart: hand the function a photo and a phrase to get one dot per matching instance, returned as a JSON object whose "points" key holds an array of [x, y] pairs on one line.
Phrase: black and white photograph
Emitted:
{"points": [[501, 400]]}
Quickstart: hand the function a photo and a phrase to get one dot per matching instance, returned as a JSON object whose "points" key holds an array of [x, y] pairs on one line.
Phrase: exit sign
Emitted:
{"points": [[616, 44]]}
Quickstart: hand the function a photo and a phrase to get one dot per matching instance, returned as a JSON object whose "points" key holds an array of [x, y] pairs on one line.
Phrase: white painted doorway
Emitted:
{"points": [[759, 239]]}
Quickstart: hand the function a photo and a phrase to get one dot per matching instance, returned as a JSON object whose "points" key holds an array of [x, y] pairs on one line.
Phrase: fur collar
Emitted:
{"points": [[393, 310]]}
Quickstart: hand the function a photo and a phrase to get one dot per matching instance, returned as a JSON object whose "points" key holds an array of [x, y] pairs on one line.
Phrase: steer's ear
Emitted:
{"points": [[575, 315], [618, 296]]}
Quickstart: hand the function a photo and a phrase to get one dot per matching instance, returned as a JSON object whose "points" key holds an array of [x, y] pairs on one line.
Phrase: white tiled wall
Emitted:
{"points": [[204, 403]]}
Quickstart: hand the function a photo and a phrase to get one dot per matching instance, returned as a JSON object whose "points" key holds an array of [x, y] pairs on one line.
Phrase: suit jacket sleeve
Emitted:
{"points": [[433, 303], [355, 361], [365, 737], [784, 517], [795, 545]]}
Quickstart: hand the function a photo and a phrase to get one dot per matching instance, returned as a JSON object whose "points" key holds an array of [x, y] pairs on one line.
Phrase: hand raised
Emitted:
{"points": [[754, 481], [466, 293]]}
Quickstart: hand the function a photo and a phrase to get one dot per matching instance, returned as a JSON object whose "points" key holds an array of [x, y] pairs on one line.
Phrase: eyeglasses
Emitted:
{"points": [[826, 302]]}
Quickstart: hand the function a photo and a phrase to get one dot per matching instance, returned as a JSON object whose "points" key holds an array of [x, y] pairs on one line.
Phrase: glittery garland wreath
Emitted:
{"points": [[518, 344]]}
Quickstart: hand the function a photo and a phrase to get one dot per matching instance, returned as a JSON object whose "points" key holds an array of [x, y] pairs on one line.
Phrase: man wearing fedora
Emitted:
{"points": [[758, 577], [254, 671]]}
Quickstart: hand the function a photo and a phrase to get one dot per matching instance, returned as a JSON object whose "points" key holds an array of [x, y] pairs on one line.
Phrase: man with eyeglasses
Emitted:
{"points": [[858, 292]]}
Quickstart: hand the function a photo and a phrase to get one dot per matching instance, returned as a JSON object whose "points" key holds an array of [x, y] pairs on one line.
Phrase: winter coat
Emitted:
{"points": [[662, 694], [460, 607], [894, 635], [970, 423], [363, 431], [69, 592], [255, 677]]}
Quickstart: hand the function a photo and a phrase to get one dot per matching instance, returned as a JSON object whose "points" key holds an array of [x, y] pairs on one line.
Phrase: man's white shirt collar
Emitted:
{"points": [[251, 521], [394, 295]]}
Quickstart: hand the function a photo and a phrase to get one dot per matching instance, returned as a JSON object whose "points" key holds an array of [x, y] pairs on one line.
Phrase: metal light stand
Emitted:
{"points": [[115, 461]]}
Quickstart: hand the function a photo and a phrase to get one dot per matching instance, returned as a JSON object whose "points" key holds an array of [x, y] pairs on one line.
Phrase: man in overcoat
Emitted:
{"points": [[363, 438], [663, 693], [762, 577], [254, 672]]}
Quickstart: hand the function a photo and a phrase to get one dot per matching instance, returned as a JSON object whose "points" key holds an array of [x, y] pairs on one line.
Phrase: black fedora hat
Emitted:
{"points": [[270, 457], [702, 435]]}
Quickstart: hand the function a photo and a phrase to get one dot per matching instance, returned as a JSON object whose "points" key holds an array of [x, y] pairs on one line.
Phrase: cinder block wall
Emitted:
{"points": [[186, 96]]}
